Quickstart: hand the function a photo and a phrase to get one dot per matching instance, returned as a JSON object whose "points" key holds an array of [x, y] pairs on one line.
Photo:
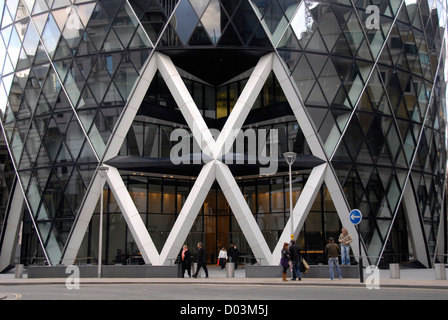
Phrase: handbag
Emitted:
{"points": [[305, 266]]}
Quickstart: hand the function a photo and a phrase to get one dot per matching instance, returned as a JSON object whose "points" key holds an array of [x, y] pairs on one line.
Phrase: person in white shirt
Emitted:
{"points": [[222, 258]]}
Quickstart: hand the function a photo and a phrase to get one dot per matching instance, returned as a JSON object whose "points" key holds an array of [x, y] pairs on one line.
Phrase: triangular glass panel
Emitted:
{"points": [[289, 41], [303, 27], [86, 155], [200, 37], [341, 154], [342, 172], [384, 156], [353, 137], [199, 6], [354, 85], [170, 38], [64, 155], [153, 27], [112, 42], [113, 96], [86, 45], [212, 20], [275, 21], [63, 50], [40, 6], [86, 116], [341, 99], [186, 20], [125, 77], [316, 97], [96, 29], [364, 155], [304, 77], [111, 8], [329, 132], [230, 36], [317, 115], [364, 51], [375, 191], [75, 190], [365, 120], [140, 40], [99, 134], [74, 137], [329, 81], [341, 47], [50, 35], [329, 29], [385, 57], [52, 139], [99, 80], [316, 43], [126, 24], [51, 88], [60, 16], [365, 103], [259, 38], [375, 137]]}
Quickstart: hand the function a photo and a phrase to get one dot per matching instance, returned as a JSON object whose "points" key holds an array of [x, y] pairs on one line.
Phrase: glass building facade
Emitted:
{"points": [[357, 88]]}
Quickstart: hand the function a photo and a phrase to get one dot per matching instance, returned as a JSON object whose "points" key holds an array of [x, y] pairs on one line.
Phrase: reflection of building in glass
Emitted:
{"points": [[101, 83]]}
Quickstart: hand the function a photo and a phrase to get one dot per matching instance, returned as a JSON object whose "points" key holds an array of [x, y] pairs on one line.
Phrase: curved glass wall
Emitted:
{"points": [[370, 75]]}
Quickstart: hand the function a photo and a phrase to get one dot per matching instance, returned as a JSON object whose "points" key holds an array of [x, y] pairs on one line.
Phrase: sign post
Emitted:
{"points": [[356, 218]]}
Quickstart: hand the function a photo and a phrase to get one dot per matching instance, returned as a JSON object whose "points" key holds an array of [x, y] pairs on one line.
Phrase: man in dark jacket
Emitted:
{"points": [[294, 255], [202, 260], [333, 251]]}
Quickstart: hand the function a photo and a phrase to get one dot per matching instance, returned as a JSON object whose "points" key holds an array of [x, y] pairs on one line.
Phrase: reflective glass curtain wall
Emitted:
{"points": [[370, 74]]}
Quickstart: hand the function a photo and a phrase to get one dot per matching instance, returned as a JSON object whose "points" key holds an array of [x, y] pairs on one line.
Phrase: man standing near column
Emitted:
{"points": [[294, 254], [332, 251], [202, 260]]}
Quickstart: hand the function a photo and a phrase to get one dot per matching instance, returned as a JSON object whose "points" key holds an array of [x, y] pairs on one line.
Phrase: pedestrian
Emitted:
{"points": [[332, 251], [296, 258], [345, 239], [284, 260], [202, 260], [186, 261], [222, 258], [234, 254]]}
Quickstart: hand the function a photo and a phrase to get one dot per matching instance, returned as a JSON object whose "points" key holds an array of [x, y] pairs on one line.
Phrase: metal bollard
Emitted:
{"points": [[394, 271], [439, 269], [19, 271], [230, 270]]}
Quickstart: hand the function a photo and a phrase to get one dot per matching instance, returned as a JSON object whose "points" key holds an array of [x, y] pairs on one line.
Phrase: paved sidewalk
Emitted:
{"points": [[409, 278]]}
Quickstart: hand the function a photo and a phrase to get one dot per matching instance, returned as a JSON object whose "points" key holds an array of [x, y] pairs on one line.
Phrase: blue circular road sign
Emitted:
{"points": [[355, 216]]}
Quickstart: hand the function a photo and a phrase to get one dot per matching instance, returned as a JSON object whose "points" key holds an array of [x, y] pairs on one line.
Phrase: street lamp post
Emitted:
{"points": [[102, 171], [290, 157]]}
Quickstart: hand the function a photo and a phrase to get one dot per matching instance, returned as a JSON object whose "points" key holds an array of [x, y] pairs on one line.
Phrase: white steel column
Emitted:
{"points": [[132, 217], [302, 208], [242, 213], [188, 214], [82, 222], [415, 226], [12, 231]]}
